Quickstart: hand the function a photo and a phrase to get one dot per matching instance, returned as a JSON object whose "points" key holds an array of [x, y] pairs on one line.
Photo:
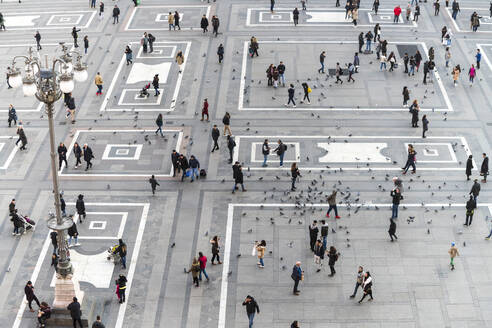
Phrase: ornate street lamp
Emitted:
{"points": [[47, 84]]}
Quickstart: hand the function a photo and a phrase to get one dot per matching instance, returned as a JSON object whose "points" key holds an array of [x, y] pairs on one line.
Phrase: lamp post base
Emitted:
{"points": [[64, 291]]}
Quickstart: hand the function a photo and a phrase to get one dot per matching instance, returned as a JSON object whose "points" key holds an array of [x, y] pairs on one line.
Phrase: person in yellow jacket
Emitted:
{"points": [[98, 80]]}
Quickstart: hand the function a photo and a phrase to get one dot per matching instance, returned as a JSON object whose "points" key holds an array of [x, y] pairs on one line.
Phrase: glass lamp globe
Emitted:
{"points": [[15, 80], [66, 85], [80, 74], [29, 89]]}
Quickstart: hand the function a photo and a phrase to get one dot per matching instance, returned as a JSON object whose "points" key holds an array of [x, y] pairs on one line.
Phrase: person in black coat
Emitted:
{"points": [[313, 234], [237, 174], [183, 165], [470, 208], [175, 161], [153, 183], [484, 169], [230, 145], [392, 229], [78, 154], [75, 312], [469, 167], [88, 156], [204, 23], [30, 296], [80, 206], [251, 308], [215, 137], [62, 155]]}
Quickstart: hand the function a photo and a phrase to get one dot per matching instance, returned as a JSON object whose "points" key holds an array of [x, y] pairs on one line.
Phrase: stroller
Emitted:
{"points": [[29, 224], [144, 93], [113, 254]]}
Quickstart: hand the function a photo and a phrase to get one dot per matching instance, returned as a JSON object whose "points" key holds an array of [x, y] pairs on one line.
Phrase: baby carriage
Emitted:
{"points": [[29, 224], [144, 93], [114, 255]]}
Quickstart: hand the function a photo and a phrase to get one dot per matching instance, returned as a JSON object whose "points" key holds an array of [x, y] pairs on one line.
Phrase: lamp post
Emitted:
{"points": [[48, 83]]}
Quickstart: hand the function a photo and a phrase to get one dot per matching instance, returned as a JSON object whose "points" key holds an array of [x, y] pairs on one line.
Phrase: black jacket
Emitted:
{"points": [[251, 306], [215, 134], [74, 308]]}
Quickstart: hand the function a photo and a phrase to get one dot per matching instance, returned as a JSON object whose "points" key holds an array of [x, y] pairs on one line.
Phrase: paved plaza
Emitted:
{"points": [[351, 137]]}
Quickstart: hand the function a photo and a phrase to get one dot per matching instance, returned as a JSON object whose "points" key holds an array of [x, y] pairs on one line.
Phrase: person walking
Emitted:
{"points": [[215, 25], [78, 154], [220, 53], [75, 312], [177, 20], [128, 55], [280, 151], [98, 81], [80, 207], [226, 120], [215, 249], [425, 125], [237, 174], [313, 234], [453, 252], [204, 23], [37, 37], [297, 275], [88, 156], [397, 197], [469, 167], [411, 158], [471, 74], [332, 258], [475, 190], [250, 303], [406, 96], [12, 115], [295, 16], [159, 122], [86, 44], [75, 36], [215, 137], [456, 9], [116, 14], [322, 57], [62, 155], [291, 93], [414, 110], [367, 287], [456, 74], [359, 281], [470, 208], [230, 145], [153, 184], [260, 252], [195, 270], [121, 283], [205, 110], [484, 169], [392, 229], [183, 165], [294, 171], [155, 84], [98, 323], [203, 266], [170, 21], [30, 296], [194, 168], [332, 204]]}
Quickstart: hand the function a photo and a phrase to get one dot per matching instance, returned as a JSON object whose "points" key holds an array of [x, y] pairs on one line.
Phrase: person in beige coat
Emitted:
{"points": [[260, 251], [180, 60]]}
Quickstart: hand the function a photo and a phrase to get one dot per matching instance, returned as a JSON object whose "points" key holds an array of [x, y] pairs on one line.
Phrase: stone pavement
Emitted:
{"points": [[352, 138]]}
